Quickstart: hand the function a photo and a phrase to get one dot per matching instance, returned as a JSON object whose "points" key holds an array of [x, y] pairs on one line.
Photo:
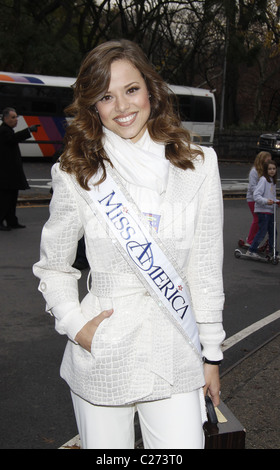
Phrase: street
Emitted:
{"points": [[36, 409]]}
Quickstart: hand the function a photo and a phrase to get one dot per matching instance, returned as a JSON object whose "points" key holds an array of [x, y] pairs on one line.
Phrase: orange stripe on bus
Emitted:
{"points": [[47, 150], [6, 78]]}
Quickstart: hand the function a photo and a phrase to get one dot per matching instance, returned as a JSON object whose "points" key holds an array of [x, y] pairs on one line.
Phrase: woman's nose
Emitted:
{"points": [[122, 103]]}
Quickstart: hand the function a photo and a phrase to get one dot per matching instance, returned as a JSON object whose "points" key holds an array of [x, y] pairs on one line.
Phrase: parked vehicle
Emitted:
{"points": [[270, 143]]}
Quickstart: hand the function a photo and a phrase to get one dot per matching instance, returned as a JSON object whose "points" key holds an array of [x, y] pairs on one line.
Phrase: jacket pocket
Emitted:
{"points": [[97, 344]]}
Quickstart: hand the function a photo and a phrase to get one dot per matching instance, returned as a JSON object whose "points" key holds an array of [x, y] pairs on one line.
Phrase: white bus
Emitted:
{"points": [[197, 108], [41, 99]]}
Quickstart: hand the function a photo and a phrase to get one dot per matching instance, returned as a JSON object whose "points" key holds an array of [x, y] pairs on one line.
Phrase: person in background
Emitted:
{"points": [[12, 177], [265, 197], [155, 259], [255, 173]]}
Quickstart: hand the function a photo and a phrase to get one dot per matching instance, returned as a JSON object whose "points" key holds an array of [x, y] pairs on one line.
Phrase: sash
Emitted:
{"points": [[146, 256]]}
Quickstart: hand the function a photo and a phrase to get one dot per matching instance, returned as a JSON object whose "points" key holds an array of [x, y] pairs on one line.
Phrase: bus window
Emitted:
{"points": [[34, 100], [8, 96], [185, 107], [196, 108], [203, 109]]}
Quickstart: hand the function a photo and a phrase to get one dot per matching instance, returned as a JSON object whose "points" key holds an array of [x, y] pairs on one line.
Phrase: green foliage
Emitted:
{"points": [[38, 39]]}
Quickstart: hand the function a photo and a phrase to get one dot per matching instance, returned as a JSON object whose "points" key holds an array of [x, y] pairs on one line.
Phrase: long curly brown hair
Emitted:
{"points": [[84, 154]]}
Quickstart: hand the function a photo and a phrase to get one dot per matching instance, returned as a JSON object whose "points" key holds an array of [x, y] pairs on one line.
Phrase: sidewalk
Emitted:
{"points": [[251, 391], [34, 196]]}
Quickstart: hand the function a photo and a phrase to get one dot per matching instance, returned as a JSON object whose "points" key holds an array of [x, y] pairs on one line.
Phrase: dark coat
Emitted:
{"points": [[11, 171]]}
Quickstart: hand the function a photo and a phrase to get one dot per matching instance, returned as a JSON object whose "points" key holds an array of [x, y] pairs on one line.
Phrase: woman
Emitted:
{"points": [[133, 341]]}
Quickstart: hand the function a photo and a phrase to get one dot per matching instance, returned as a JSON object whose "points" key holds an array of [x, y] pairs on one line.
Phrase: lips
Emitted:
{"points": [[125, 120]]}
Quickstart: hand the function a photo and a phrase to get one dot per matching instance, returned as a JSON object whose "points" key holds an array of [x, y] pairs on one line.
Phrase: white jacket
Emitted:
{"points": [[137, 354]]}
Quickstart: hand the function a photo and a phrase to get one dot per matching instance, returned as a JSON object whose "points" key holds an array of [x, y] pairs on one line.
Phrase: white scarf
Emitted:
{"points": [[142, 163]]}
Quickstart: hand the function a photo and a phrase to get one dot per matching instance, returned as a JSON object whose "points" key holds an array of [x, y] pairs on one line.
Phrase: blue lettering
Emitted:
{"points": [[172, 295], [108, 203], [115, 216], [157, 268], [127, 232], [147, 247], [158, 279], [167, 288], [143, 256], [184, 311], [122, 222], [179, 308]]}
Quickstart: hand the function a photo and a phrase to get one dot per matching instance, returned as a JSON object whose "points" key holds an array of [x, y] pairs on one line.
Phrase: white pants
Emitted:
{"points": [[172, 423]]}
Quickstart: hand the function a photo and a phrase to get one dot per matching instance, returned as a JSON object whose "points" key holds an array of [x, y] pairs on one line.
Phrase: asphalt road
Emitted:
{"points": [[36, 409]]}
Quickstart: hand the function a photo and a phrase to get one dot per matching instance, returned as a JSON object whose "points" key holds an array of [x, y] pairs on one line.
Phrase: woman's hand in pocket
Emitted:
{"points": [[85, 335]]}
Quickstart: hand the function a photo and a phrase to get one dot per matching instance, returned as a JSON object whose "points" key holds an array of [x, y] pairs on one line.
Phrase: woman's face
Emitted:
{"points": [[125, 108]]}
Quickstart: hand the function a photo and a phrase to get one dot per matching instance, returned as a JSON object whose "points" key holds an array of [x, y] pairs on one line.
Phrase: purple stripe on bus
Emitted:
{"points": [[51, 129], [16, 78]]}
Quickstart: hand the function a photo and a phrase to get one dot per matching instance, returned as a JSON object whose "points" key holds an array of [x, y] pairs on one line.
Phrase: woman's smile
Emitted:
{"points": [[126, 120]]}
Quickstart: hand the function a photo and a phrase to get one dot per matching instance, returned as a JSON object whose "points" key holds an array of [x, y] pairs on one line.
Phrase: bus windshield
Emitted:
{"points": [[196, 108]]}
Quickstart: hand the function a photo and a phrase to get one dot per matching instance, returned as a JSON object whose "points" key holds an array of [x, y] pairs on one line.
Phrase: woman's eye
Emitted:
{"points": [[132, 89], [106, 98]]}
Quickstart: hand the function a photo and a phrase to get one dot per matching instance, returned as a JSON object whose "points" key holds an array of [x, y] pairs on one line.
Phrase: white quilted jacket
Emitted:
{"points": [[137, 354]]}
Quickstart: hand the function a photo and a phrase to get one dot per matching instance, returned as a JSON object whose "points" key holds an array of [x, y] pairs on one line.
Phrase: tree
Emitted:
{"points": [[185, 40], [38, 36], [247, 24]]}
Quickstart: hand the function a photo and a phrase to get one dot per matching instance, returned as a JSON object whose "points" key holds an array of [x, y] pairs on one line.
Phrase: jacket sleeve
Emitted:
{"points": [[60, 235], [204, 272], [7, 135], [259, 192]]}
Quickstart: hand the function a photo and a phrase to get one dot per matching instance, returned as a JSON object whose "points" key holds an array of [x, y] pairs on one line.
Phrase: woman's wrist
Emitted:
{"points": [[213, 363]]}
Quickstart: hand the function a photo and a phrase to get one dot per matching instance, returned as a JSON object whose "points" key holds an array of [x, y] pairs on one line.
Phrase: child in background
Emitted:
{"points": [[265, 197], [255, 173]]}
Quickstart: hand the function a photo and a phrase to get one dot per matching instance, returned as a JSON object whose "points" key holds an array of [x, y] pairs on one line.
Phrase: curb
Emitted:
{"points": [[44, 200]]}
